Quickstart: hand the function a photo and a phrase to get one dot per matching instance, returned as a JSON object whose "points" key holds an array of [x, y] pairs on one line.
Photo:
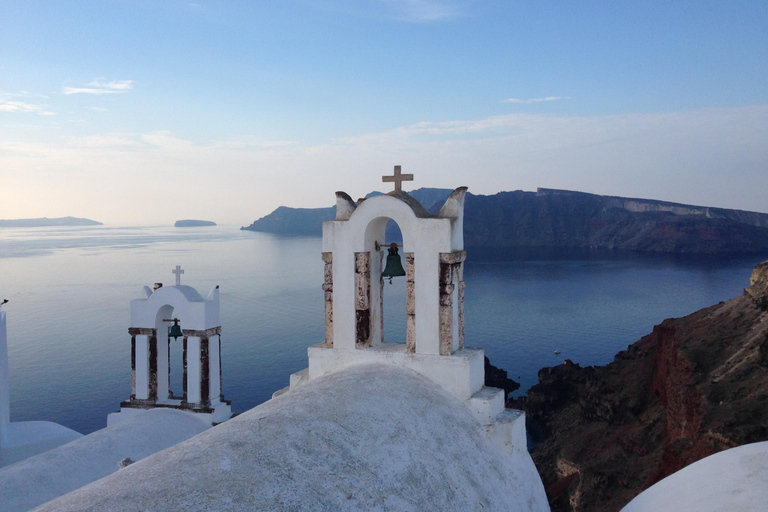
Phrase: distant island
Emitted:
{"points": [[45, 222], [193, 223], [550, 218]]}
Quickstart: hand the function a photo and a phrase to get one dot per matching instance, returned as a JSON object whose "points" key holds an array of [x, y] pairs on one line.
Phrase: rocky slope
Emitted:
{"points": [[559, 218], [693, 387]]}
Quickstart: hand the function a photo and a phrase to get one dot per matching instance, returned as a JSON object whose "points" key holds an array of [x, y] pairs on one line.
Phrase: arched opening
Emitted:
{"points": [[385, 312], [170, 355], [393, 291]]}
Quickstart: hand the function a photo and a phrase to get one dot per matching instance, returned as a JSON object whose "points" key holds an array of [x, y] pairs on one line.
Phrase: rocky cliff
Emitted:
{"points": [[693, 387], [560, 218], [309, 221]]}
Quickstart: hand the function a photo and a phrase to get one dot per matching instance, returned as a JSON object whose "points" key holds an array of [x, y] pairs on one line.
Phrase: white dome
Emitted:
{"points": [[735, 480], [369, 437]]}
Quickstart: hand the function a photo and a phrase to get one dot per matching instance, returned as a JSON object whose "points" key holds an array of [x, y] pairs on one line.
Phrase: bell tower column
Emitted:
{"points": [[362, 299], [193, 368], [140, 362], [328, 291], [451, 301], [410, 303]]}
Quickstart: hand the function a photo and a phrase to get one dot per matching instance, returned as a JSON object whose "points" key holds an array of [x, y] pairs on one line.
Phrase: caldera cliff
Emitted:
{"points": [[551, 218], [693, 387]]}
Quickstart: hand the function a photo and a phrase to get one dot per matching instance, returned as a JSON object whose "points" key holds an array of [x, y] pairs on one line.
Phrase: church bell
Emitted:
{"points": [[174, 331], [394, 267]]}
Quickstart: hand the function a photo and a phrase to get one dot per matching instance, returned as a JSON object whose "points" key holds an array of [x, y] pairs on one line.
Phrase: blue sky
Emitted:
{"points": [[107, 108]]}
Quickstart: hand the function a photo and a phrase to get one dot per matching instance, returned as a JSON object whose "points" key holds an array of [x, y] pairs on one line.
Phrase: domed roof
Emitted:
{"points": [[189, 293], [735, 479], [368, 437]]}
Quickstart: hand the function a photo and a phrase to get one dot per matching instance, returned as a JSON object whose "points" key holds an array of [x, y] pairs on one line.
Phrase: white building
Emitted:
{"points": [[22, 439]]}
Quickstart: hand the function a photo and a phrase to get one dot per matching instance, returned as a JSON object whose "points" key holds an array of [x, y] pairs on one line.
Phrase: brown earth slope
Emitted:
{"points": [[693, 387]]}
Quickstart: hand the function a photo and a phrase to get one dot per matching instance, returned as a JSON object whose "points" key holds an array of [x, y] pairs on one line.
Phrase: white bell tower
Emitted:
{"points": [[200, 326], [354, 250]]}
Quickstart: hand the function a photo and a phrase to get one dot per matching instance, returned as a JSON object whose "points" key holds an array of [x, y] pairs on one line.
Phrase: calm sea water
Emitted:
{"points": [[70, 292]]}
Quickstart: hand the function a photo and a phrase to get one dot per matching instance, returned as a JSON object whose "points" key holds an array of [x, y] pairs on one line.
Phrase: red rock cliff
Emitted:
{"points": [[694, 386]]}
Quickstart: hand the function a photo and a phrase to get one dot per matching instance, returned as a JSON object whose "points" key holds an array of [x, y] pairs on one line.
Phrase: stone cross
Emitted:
{"points": [[178, 273], [397, 178]]}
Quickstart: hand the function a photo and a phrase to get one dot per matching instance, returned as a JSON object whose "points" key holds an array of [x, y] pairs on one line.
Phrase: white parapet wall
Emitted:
{"points": [[23, 439], [5, 381], [462, 373]]}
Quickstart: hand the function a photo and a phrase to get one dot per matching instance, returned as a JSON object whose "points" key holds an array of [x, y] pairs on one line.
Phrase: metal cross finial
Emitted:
{"points": [[178, 273], [397, 178]]}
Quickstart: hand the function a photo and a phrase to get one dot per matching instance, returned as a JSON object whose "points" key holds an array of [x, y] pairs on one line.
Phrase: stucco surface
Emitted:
{"points": [[37, 479], [26, 439], [734, 480], [369, 437]]}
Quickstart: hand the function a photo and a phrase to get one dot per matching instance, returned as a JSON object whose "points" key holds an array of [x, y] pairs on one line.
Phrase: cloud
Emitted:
{"points": [[20, 106], [711, 157], [536, 100], [104, 141], [101, 87]]}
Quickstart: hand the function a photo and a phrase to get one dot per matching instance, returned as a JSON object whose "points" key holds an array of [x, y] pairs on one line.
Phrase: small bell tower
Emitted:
{"points": [[164, 313]]}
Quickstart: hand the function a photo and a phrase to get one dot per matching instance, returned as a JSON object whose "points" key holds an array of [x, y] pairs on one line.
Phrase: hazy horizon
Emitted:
{"points": [[228, 224]]}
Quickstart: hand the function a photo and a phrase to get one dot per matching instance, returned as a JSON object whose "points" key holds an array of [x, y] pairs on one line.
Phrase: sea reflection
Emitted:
{"points": [[70, 292]]}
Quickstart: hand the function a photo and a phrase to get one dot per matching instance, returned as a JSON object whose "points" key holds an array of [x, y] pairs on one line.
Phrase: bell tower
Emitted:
{"points": [[433, 249], [354, 252], [164, 313]]}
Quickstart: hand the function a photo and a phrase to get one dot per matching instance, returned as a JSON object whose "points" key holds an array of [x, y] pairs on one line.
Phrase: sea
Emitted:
{"points": [[69, 292]]}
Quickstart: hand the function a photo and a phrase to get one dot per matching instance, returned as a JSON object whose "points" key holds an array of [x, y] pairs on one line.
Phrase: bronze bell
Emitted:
{"points": [[174, 331], [394, 267]]}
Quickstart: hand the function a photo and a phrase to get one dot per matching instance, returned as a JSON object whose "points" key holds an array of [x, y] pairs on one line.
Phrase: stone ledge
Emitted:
{"points": [[281, 391], [486, 404], [508, 432], [299, 378], [217, 413]]}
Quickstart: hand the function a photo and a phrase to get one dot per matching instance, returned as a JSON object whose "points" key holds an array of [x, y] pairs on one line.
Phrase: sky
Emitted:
{"points": [[143, 112]]}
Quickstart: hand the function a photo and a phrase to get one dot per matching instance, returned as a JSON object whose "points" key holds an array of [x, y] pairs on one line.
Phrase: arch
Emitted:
{"points": [[376, 231], [348, 244]]}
